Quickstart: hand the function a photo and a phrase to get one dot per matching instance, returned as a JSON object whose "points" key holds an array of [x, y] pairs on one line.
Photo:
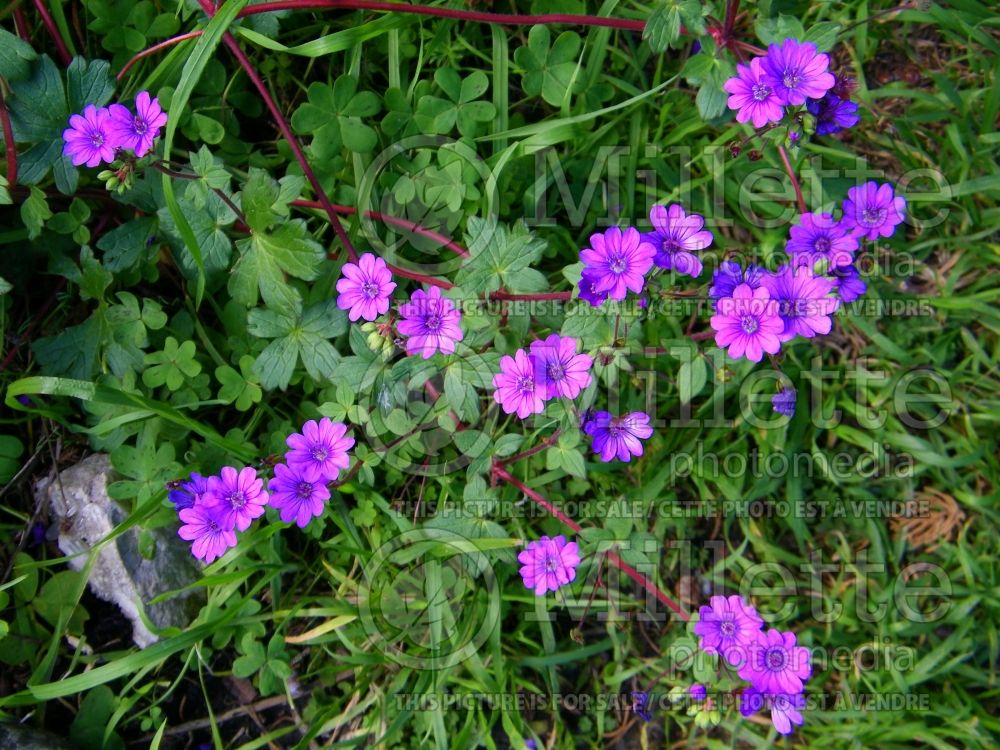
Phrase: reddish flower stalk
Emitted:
{"points": [[546, 443], [50, 25], [21, 24], [506, 19], [393, 221], [613, 557], [156, 48], [795, 180], [541, 296], [8, 139]]}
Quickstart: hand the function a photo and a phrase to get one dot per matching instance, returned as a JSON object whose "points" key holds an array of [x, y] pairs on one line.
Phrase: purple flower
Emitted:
{"points": [[640, 704], [365, 288], [819, 237], [804, 302], [676, 235], [833, 114], [239, 496], [618, 437], [430, 322], [138, 131], [620, 260], [90, 139], [296, 498], [319, 452], [588, 287], [559, 370], [729, 275], [727, 627], [698, 692], [796, 72], [752, 96], [747, 323], [547, 564], [775, 664], [517, 392], [190, 493], [871, 211], [209, 528], [783, 402], [848, 283], [785, 708]]}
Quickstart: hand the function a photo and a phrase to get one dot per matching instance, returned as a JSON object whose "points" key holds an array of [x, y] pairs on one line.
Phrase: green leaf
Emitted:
{"points": [[501, 258], [332, 114], [125, 245], [239, 387], [15, 57], [172, 366], [551, 72], [264, 260], [663, 27], [778, 29], [88, 82], [823, 35], [297, 336], [35, 212]]}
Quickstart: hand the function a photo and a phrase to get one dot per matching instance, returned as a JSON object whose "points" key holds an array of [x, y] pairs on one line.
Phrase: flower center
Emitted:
{"points": [[139, 126], [749, 324], [616, 429], [433, 322], [319, 453], [237, 499], [873, 216], [554, 371], [760, 92], [617, 263], [213, 526], [822, 245], [670, 245], [775, 658], [370, 289], [728, 628], [304, 490], [792, 78], [551, 563], [525, 384], [97, 139]]}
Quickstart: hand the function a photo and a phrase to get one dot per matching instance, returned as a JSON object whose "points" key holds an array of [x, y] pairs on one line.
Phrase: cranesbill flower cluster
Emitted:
{"points": [[758, 310], [98, 134], [551, 368], [771, 661], [548, 564], [213, 509], [791, 74]]}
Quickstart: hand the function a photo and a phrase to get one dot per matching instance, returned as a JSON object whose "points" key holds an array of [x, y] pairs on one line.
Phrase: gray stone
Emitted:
{"points": [[20, 737], [84, 515]]}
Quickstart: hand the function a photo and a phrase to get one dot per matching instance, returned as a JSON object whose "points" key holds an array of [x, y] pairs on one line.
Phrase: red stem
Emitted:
{"points": [[702, 335], [561, 296], [53, 32], [461, 15], [546, 443], [795, 180], [613, 557], [21, 24], [8, 139], [393, 221], [156, 48]]}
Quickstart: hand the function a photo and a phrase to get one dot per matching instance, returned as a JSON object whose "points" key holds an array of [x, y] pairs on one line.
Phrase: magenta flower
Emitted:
{"points": [[819, 237], [796, 72], [783, 402], [752, 96], [848, 283], [547, 564], [676, 236], [430, 322], [775, 664], [872, 211], [319, 452], [619, 261], [833, 114], [189, 493], [805, 303], [296, 498], [747, 323], [727, 627], [785, 708], [239, 496], [209, 528], [90, 138], [138, 131], [618, 437], [559, 370], [730, 275], [516, 389], [365, 288], [588, 287]]}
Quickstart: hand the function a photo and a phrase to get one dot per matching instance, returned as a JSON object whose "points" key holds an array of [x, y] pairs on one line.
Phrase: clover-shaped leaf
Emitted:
{"points": [[550, 71], [436, 115], [171, 366], [332, 115], [241, 387]]}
